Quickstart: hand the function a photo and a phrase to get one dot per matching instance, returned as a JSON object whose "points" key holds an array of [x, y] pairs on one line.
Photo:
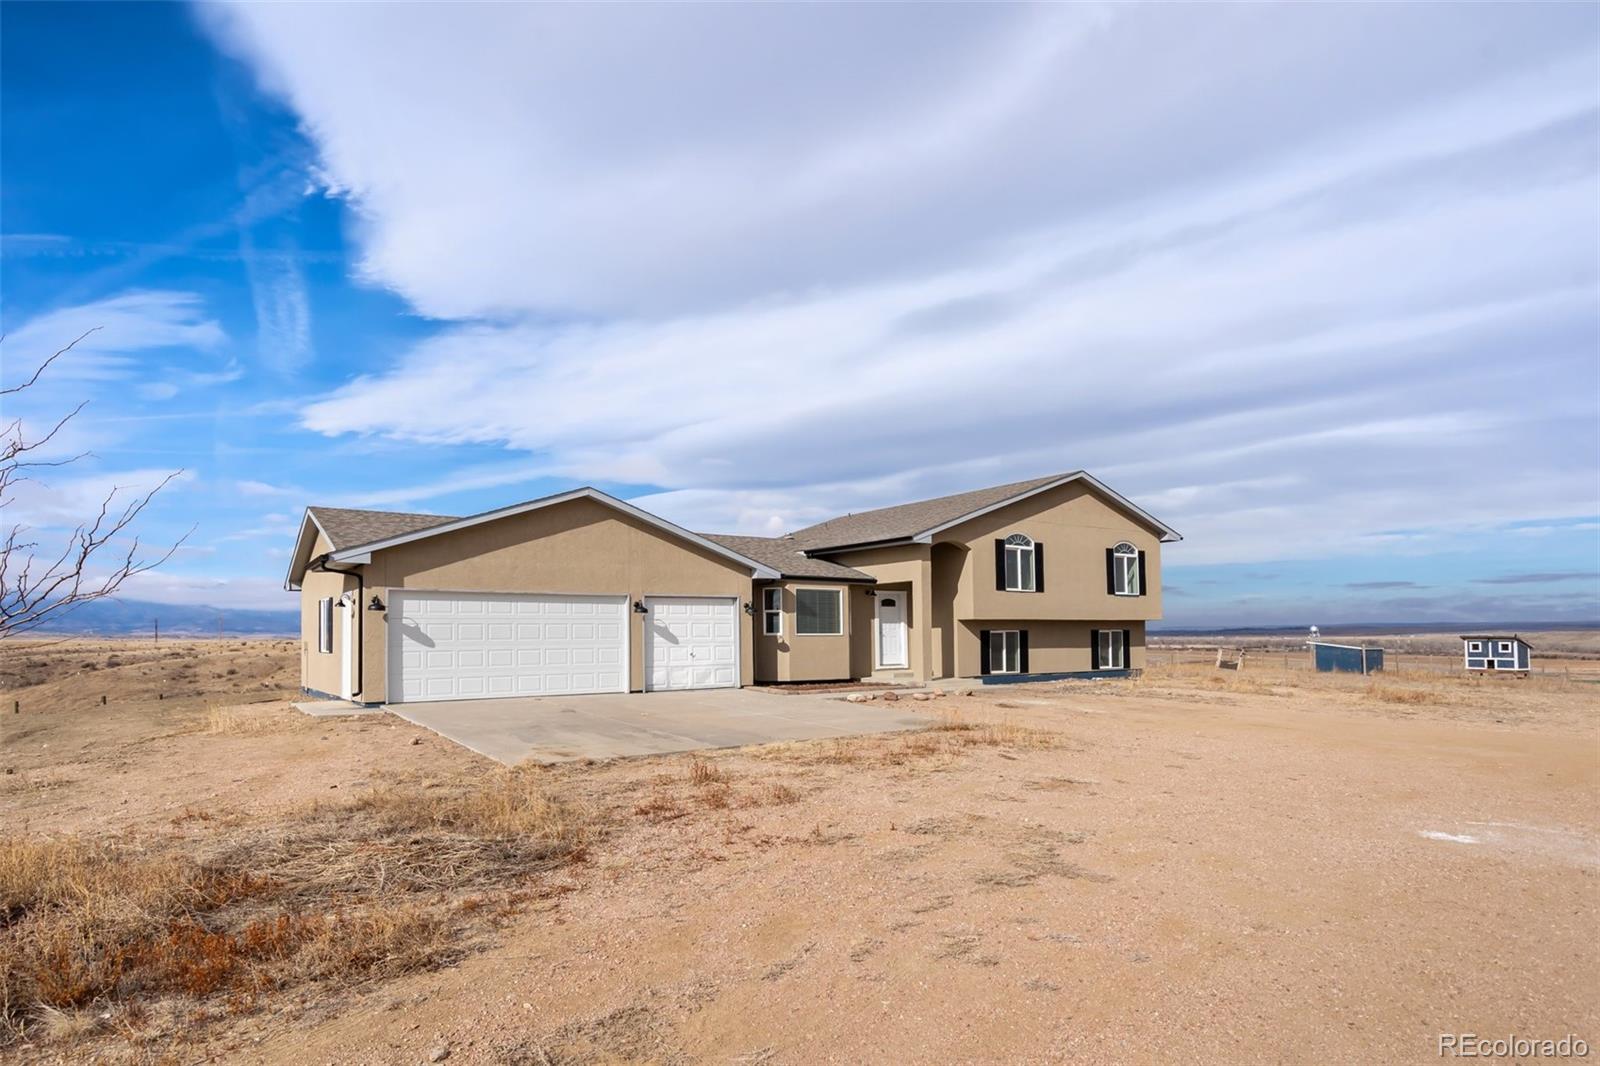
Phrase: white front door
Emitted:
{"points": [[892, 628], [470, 645], [691, 642], [347, 646]]}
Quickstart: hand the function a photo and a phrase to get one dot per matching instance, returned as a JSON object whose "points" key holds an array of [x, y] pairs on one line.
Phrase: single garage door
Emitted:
{"points": [[691, 642], [462, 645]]}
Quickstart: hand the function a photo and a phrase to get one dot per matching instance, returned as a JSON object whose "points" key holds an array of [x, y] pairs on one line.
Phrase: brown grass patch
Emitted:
{"points": [[333, 895]]}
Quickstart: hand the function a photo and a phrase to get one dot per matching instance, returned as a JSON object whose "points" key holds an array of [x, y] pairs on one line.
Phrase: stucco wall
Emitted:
{"points": [[1076, 526], [903, 568], [795, 657], [320, 671], [581, 546], [1053, 647]]}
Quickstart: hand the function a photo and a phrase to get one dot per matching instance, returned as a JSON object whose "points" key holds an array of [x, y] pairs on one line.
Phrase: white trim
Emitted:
{"points": [[347, 661], [363, 552], [1168, 534], [738, 643], [1117, 555], [843, 603], [1033, 562], [289, 583], [877, 629], [778, 610]]}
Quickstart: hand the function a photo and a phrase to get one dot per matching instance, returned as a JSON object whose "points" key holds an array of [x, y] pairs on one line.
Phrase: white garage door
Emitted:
{"points": [[691, 642], [459, 645]]}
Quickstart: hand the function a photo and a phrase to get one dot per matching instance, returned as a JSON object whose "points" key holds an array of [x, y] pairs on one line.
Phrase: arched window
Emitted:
{"points": [[1020, 568], [1125, 570]]}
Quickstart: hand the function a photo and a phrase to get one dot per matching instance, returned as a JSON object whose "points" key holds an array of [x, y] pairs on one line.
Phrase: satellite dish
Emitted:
{"points": [[1315, 633]]}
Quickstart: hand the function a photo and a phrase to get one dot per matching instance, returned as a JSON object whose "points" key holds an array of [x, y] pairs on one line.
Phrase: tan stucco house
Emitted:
{"points": [[581, 592]]}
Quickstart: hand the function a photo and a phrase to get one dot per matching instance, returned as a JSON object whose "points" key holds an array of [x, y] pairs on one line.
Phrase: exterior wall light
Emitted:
{"points": [[376, 604], [638, 608]]}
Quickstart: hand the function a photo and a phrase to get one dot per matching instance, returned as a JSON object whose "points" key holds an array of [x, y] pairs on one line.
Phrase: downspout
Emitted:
{"points": [[322, 565]]}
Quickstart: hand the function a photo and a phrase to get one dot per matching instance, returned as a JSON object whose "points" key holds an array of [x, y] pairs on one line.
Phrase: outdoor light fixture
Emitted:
{"points": [[376, 604], [638, 608], [748, 609]]}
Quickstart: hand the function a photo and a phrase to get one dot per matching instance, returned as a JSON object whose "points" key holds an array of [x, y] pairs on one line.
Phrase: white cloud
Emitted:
{"points": [[123, 326], [789, 261]]}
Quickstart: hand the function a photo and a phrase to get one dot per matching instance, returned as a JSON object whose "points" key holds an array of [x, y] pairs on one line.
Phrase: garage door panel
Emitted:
{"points": [[466, 645], [692, 642]]}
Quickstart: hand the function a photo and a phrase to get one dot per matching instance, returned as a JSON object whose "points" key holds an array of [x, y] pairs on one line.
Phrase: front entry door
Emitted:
{"points": [[892, 628]]}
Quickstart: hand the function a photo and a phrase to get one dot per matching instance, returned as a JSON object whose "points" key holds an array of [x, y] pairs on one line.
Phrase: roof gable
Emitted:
{"points": [[394, 528], [921, 520]]}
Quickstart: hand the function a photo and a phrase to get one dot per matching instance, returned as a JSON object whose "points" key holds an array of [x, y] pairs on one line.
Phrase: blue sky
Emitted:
{"points": [[1315, 284]]}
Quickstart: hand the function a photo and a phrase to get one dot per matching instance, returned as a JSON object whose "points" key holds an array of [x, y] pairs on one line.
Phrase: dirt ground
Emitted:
{"points": [[1271, 866]]}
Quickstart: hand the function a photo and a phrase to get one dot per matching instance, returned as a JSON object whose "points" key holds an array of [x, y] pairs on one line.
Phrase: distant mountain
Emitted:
{"points": [[119, 617], [1383, 628]]}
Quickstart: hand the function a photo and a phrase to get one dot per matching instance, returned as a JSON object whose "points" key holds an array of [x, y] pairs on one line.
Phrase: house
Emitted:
{"points": [[581, 592], [1497, 652]]}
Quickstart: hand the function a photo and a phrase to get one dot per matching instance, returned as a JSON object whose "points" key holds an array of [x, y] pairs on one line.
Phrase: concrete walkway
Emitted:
{"points": [[561, 728]]}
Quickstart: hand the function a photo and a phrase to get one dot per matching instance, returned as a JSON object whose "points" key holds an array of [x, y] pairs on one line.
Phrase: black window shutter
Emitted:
{"points": [[1127, 649], [1094, 649], [1111, 571], [983, 651], [1022, 650], [1142, 589], [1000, 566], [1038, 567]]}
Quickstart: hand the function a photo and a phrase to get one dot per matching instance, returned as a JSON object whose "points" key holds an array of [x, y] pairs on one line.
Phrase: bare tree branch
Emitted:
{"points": [[30, 596]]}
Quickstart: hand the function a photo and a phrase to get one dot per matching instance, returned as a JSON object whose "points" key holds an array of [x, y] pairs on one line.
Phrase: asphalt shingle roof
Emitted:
{"points": [[908, 519], [348, 527], [783, 555]]}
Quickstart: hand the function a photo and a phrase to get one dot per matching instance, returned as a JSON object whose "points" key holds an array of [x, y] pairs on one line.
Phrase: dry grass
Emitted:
{"points": [[239, 721], [332, 896]]}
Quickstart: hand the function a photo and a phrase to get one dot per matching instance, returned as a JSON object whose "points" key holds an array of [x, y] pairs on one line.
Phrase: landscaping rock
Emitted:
{"points": [[890, 697], [922, 696], [439, 1054], [855, 697]]}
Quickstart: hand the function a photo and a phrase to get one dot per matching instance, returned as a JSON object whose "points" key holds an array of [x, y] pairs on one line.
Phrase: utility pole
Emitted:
{"points": [[157, 622]]}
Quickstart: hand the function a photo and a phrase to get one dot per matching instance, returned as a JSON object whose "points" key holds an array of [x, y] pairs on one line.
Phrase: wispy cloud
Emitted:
{"points": [[1374, 585], [122, 327], [1542, 578]]}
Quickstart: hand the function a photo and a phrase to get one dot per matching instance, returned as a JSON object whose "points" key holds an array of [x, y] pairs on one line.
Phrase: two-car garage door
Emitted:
{"points": [[456, 645]]}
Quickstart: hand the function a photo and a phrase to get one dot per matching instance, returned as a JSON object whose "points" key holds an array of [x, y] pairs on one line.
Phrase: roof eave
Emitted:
{"points": [[290, 581], [362, 553]]}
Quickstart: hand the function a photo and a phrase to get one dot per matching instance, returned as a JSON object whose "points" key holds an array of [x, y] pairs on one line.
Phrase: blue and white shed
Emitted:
{"points": [[1345, 658], [1496, 652]]}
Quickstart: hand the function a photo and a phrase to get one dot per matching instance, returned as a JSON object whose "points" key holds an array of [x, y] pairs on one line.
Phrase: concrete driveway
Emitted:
{"points": [[560, 728]]}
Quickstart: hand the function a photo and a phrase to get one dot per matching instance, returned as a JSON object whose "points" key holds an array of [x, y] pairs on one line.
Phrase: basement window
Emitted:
{"points": [[1005, 651], [1113, 653]]}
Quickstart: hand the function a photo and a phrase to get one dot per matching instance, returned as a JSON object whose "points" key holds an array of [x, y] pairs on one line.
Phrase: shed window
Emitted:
{"points": [[325, 625], [772, 612], [818, 613], [1505, 647], [1475, 646], [1019, 563], [1125, 570]]}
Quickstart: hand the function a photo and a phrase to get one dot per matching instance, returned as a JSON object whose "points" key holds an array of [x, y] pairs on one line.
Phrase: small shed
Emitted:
{"points": [[1498, 652], [1345, 658]]}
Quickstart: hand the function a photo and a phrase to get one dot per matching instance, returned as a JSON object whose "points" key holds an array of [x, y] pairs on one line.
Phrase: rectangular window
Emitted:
{"points": [[1019, 564], [818, 612], [1126, 569], [325, 625], [1505, 647], [1113, 655], [1005, 651], [772, 612], [1475, 646]]}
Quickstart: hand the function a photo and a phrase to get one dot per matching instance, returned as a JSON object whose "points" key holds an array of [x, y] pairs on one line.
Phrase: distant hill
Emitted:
{"points": [[119, 617], [1384, 628]]}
